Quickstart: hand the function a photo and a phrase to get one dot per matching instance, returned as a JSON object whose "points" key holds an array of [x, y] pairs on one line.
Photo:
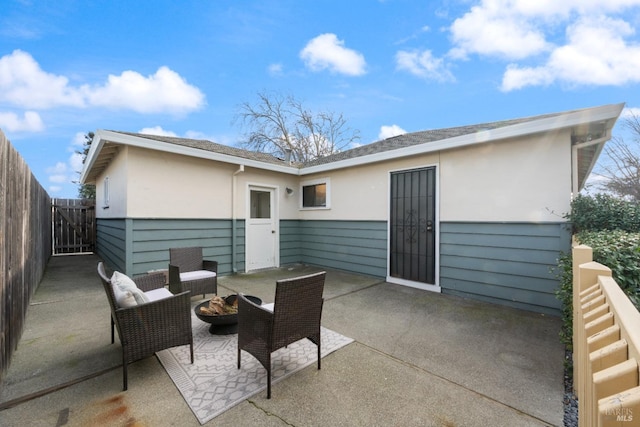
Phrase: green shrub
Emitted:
{"points": [[604, 212], [611, 227]]}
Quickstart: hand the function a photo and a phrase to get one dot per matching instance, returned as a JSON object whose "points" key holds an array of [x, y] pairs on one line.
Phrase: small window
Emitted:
{"points": [[105, 193], [315, 194], [260, 204]]}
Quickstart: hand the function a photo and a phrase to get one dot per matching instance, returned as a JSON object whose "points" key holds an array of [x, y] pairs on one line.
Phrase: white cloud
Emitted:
{"points": [[572, 42], [327, 52], [24, 84], [53, 189], [59, 168], [390, 131], [30, 122], [275, 69], [58, 173], [164, 91], [76, 162], [157, 130], [494, 28], [79, 139], [423, 64], [629, 112], [596, 53]]}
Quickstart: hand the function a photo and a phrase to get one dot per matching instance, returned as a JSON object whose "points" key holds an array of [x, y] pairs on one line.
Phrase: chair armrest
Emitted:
{"points": [[161, 317], [175, 284], [210, 265], [253, 319], [148, 282]]}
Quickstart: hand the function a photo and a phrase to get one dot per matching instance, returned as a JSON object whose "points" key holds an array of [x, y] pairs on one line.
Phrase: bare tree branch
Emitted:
{"points": [[277, 124], [622, 172]]}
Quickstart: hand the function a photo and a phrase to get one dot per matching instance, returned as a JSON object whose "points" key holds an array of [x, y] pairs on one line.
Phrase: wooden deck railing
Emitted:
{"points": [[606, 346]]}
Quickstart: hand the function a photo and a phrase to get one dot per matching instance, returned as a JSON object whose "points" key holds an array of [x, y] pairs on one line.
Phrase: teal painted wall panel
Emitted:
{"points": [[290, 251], [505, 263], [356, 246], [152, 239], [147, 246], [110, 242]]}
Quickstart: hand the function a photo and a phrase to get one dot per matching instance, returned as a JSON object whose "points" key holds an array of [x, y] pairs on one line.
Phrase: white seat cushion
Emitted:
{"points": [[158, 294], [268, 306], [187, 276]]}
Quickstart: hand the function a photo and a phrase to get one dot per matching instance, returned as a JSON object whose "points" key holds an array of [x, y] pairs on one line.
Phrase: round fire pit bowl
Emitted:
{"points": [[224, 324]]}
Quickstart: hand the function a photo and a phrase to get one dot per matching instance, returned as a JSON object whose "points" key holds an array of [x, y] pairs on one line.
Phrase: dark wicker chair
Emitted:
{"points": [[147, 328], [186, 260], [296, 315]]}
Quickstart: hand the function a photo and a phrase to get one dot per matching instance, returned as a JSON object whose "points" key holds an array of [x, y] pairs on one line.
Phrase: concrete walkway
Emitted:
{"points": [[419, 359]]}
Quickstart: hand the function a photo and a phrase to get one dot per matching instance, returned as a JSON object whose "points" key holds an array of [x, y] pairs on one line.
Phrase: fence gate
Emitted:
{"points": [[74, 226]]}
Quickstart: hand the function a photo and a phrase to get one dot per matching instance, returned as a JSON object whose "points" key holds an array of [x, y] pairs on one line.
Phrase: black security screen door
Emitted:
{"points": [[413, 225]]}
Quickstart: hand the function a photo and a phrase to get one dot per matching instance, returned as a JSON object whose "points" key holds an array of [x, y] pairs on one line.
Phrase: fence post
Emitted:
{"points": [[581, 254], [589, 297]]}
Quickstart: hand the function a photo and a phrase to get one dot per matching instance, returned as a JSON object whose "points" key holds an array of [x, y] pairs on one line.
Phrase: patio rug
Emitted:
{"points": [[213, 383]]}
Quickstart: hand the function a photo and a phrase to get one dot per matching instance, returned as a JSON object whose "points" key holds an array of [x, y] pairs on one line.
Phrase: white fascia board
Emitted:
{"points": [[96, 146], [561, 121], [153, 144]]}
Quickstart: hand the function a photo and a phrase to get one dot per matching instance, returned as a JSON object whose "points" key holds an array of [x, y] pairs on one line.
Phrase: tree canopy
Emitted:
{"points": [[86, 191]]}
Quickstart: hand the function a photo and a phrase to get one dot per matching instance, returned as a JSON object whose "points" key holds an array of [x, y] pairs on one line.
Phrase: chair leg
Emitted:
{"points": [[124, 375], [319, 359], [239, 358], [191, 348], [112, 327], [269, 377]]}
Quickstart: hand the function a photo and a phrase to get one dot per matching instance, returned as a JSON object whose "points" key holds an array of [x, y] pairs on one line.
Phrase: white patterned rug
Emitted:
{"points": [[213, 383]]}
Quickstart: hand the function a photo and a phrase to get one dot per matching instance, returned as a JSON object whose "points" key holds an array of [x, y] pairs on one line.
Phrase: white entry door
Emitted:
{"points": [[261, 230]]}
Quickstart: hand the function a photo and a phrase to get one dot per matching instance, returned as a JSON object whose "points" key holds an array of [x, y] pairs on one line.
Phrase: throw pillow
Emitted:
{"points": [[125, 283], [124, 299], [122, 281]]}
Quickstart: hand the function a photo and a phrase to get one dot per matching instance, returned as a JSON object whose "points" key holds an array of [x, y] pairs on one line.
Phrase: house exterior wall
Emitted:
{"points": [[507, 263], [138, 245], [523, 181], [496, 203]]}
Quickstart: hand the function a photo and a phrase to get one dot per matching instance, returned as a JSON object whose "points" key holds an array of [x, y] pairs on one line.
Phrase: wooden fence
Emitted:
{"points": [[606, 346], [25, 245], [74, 226]]}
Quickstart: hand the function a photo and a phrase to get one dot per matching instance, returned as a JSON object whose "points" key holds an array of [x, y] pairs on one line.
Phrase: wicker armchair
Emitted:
{"points": [[147, 328], [296, 314], [188, 271]]}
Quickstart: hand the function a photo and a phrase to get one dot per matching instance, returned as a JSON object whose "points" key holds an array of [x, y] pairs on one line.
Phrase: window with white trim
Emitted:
{"points": [[316, 194], [105, 193]]}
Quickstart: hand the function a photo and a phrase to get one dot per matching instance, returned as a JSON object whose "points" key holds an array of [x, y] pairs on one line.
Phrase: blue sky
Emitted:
{"points": [[389, 66]]}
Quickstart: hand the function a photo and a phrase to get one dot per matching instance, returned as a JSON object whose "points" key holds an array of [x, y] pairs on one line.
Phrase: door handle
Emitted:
{"points": [[273, 231], [429, 225]]}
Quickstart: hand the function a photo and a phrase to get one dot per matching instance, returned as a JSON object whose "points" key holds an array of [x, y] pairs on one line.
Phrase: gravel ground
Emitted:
{"points": [[570, 399]]}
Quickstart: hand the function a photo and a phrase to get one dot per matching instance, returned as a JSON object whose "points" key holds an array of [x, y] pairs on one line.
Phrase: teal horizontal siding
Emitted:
{"points": [[356, 246], [110, 242], [145, 244], [290, 251], [505, 263], [152, 239]]}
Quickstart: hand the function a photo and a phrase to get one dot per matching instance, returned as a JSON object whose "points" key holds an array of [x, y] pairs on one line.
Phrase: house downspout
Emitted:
{"points": [[234, 214]]}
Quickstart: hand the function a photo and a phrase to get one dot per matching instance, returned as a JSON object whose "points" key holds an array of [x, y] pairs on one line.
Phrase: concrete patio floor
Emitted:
{"points": [[419, 359]]}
